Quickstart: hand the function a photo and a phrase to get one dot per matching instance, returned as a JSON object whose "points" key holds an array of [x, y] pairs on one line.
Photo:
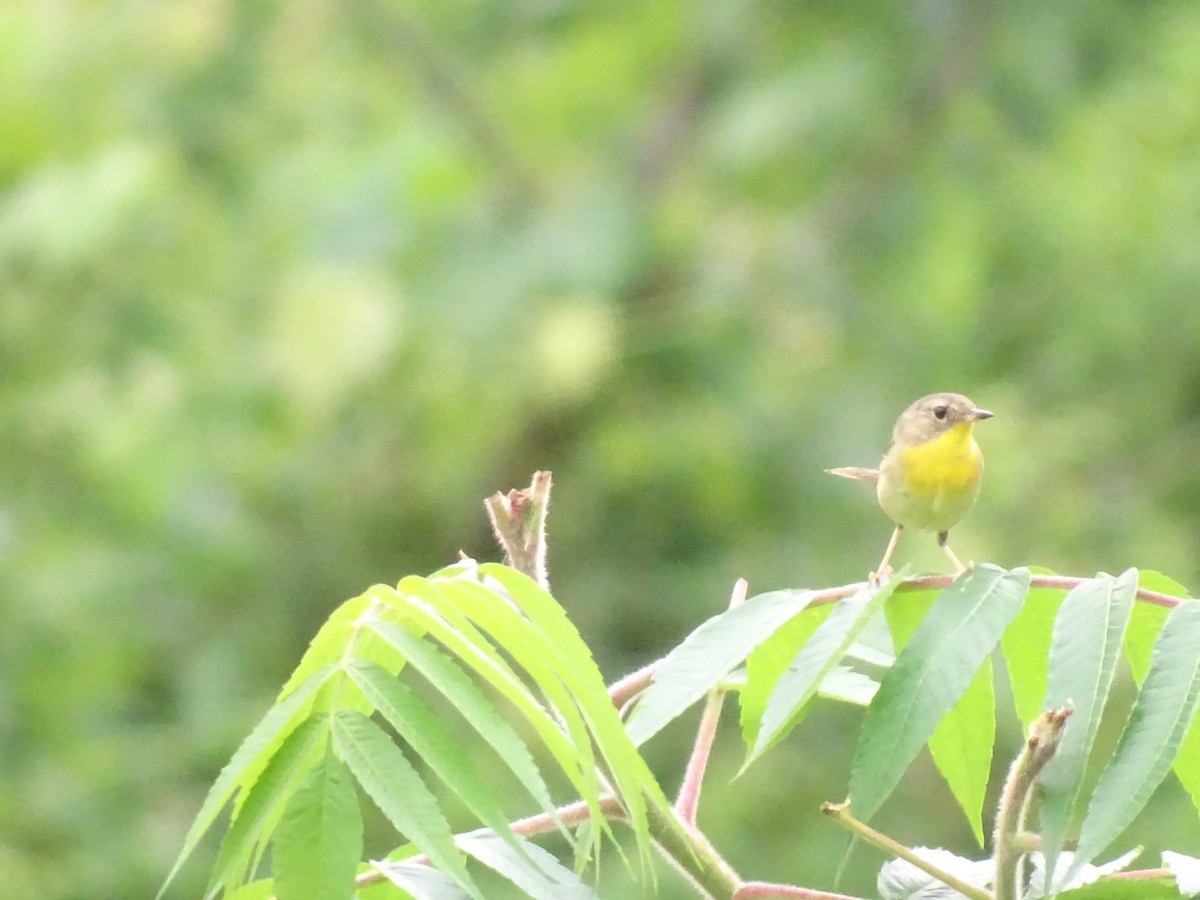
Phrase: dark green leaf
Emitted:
{"points": [[707, 655], [962, 627], [1165, 708], [1088, 634]]}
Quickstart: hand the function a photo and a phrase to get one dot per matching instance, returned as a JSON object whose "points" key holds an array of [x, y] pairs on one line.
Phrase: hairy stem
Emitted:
{"points": [[1011, 844]]}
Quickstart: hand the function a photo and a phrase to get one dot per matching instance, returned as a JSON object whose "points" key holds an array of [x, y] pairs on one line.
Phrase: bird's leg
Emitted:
{"points": [[943, 536], [884, 567]]}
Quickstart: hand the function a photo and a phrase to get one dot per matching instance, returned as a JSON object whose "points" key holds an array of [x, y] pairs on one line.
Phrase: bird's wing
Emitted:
{"points": [[857, 473]]}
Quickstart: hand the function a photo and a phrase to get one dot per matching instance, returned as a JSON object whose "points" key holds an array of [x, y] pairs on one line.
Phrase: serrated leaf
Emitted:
{"points": [[463, 604], [1146, 621], [931, 672], [480, 713], [816, 659], [557, 641], [530, 868], [707, 655], [319, 839], [1088, 634], [394, 785], [1161, 888], [1164, 710], [251, 827], [433, 742], [251, 757], [768, 661], [1026, 647]]}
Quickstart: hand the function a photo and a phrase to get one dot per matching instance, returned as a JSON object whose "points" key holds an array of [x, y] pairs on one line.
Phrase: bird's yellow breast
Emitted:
{"points": [[949, 463]]}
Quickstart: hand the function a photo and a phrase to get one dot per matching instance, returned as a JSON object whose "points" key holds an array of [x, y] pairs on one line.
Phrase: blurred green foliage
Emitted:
{"points": [[287, 288]]}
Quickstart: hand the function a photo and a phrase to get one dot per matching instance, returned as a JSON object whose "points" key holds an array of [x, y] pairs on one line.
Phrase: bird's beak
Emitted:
{"points": [[978, 414]]}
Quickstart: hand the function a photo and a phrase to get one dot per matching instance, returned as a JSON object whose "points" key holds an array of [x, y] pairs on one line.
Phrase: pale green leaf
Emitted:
{"points": [[961, 746], [768, 661], [962, 627], [1146, 621], [849, 686], [545, 878], [319, 839], [248, 761], [1026, 646], [816, 658], [1088, 634], [1164, 710], [390, 780], [265, 800], [1187, 763], [707, 655]]}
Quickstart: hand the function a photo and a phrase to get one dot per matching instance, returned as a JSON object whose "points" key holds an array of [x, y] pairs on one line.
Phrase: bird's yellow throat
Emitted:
{"points": [[947, 462]]}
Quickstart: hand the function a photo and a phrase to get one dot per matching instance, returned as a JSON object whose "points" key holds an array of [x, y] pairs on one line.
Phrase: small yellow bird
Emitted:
{"points": [[931, 471]]}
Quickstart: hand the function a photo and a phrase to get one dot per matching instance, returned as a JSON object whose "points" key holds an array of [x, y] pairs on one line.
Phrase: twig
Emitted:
{"points": [[841, 812], [689, 792], [767, 889]]}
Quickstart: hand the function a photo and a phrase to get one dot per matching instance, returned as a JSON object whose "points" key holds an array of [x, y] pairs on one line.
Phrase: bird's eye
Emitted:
{"points": [[939, 412]]}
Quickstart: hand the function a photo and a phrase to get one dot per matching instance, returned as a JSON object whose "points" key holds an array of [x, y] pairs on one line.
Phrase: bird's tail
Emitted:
{"points": [[857, 473]]}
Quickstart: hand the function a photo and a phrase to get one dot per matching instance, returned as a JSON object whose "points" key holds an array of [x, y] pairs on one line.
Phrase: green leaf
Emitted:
{"points": [[436, 744], [543, 879], [707, 655], [249, 760], [1161, 888], [319, 839], [562, 643], [1146, 621], [961, 746], [521, 644], [1026, 646], [768, 661], [251, 827], [390, 780], [1187, 763], [479, 712], [1088, 634], [930, 674], [1162, 713], [816, 659]]}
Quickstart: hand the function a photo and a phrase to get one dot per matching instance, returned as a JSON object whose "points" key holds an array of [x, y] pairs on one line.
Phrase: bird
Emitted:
{"points": [[930, 474]]}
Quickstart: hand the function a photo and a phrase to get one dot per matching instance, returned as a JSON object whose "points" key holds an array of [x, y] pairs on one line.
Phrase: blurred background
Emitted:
{"points": [[287, 288]]}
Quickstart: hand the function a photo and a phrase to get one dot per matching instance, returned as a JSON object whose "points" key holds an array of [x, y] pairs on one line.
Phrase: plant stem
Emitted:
{"points": [[519, 521], [1011, 844], [841, 812]]}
